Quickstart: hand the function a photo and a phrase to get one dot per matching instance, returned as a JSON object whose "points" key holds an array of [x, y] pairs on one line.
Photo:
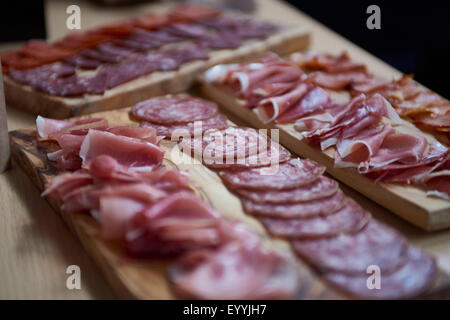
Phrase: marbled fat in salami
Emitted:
{"points": [[321, 188], [291, 174], [412, 279], [217, 121], [349, 219], [313, 208], [174, 109], [376, 244]]}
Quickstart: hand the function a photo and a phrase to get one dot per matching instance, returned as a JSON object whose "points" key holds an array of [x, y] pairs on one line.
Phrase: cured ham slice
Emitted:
{"points": [[362, 147], [324, 206], [291, 174], [237, 271], [327, 62], [271, 108], [146, 134], [267, 91], [174, 109], [412, 279], [218, 121], [315, 100], [65, 183], [129, 152], [337, 81], [376, 244], [349, 219], [116, 216], [175, 224], [48, 128], [398, 147], [322, 187]]}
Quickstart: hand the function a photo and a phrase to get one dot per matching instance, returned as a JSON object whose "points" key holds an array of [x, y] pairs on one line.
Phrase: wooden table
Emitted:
{"points": [[35, 245]]}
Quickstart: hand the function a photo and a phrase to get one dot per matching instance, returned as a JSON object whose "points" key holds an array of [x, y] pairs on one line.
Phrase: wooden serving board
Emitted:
{"points": [[408, 202], [148, 279], [287, 40], [145, 278]]}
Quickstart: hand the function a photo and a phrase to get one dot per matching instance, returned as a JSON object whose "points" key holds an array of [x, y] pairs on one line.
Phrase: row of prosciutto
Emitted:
{"points": [[294, 201], [426, 109], [139, 52], [366, 132], [118, 177]]}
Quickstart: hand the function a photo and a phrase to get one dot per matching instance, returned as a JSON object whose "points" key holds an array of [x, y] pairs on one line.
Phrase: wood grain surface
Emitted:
{"points": [[37, 247]]}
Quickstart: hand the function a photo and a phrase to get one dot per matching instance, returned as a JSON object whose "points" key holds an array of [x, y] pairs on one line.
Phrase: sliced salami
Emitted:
{"points": [[235, 147], [309, 209], [412, 279], [219, 121], [174, 109], [349, 219], [320, 188], [291, 174], [376, 244]]}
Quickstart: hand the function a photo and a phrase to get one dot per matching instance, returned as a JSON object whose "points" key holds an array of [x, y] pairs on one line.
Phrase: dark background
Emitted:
{"points": [[414, 35]]}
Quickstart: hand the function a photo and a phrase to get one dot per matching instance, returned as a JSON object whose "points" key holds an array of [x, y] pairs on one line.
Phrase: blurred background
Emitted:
{"points": [[414, 35]]}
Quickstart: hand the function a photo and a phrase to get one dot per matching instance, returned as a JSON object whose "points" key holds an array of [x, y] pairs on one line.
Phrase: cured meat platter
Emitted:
{"points": [[408, 201], [117, 65], [152, 277]]}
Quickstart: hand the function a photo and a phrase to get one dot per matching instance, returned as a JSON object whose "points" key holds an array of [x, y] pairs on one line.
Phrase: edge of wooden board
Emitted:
{"points": [[148, 279], [24, 97], [408, 202]]}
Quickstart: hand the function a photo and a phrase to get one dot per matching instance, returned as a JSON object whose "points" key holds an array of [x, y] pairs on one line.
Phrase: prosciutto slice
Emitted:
{"points": [[129, 152], [49, 129], [237, 271], [271, 108]]}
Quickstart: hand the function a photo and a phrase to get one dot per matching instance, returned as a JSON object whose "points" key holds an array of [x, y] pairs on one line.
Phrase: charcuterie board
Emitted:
{"points": [[148, 279], [132, 278], [283, 41], [408, 202]]}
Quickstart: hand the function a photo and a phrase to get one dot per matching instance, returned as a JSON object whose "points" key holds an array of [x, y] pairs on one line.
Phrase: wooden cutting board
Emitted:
{"points": [[148, 279], [142, 278], [288, 39], [408, 202]]}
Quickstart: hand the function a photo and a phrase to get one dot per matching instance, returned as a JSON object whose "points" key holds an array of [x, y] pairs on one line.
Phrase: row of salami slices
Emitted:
{"points": [[139, 52], [366, 132], [294, 201]]}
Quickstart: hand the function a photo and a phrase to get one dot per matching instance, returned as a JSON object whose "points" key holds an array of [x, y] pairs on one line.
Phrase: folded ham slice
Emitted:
{"points": [[129, 152], [237, 271]]}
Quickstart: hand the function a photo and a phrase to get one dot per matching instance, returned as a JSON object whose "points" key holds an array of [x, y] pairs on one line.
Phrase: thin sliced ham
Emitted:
{"points": [[237, 271], [315, 100], [48, 128], [129, 152], [271, 108]]}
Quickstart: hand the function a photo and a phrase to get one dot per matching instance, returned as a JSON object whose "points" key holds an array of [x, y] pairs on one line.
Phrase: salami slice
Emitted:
{"points": [[309, 209], [349, 219], [376, 244], [320, 188], [235, 147], [411, 280], [273, 156], [174, 109], [291, 174], [219, 121]]}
